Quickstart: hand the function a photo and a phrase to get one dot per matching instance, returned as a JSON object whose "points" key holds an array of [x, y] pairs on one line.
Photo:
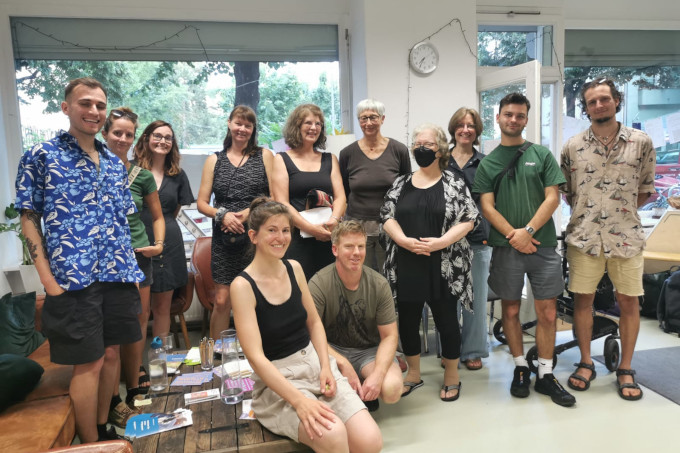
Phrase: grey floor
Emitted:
{"points": [[487, 419]]}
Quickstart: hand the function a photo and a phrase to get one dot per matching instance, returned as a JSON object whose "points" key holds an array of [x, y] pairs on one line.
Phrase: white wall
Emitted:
{"points": [[392, 27]]}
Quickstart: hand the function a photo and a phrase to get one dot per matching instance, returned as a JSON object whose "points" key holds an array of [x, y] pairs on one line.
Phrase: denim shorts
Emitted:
{"points": [[508, 267]]}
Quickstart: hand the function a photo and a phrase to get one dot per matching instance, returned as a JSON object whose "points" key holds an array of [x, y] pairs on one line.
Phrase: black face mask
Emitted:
{"points": [[424, 156]]}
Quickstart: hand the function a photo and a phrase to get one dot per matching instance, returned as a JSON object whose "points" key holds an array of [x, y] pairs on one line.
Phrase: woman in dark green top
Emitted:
{"points": [[119, 133]]}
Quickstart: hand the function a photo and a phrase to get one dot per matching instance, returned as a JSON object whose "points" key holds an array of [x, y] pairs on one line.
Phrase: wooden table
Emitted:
{"points": [[249, 435]]}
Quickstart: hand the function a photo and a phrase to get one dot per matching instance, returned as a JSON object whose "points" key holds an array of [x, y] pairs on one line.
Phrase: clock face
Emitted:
{"points": [[424, 57]]}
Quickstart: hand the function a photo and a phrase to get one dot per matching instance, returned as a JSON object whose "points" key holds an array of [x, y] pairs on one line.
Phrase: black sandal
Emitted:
{"points": [[448, 388], [628, 385], [578, 377], [143, 379]]}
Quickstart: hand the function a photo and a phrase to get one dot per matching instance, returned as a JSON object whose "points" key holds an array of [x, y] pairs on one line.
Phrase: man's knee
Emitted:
{"points": [[546, 311], [392, 388], [510, 309]]}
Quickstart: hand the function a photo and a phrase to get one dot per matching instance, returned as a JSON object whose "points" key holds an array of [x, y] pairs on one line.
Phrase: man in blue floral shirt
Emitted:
{"points": [[78, 188]]}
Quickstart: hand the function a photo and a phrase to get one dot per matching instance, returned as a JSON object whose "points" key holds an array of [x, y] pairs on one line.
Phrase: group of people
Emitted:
{"points": [[321, 329]]}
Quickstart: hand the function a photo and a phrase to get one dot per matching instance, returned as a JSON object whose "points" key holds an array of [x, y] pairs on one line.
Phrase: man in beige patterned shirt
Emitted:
{"points": [[610, 172]]}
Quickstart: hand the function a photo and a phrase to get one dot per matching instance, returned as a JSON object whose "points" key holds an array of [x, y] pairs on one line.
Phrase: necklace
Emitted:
{"points": [[374, 147], [606, 141]]}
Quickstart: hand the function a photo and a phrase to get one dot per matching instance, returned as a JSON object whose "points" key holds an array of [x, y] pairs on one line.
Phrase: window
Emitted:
{"points": [[645, 65], [509, 45]]}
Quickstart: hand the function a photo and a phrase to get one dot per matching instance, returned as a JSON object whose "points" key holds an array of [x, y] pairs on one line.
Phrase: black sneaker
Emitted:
{"points": [[372, 405], [548, 385], [521, 382]]}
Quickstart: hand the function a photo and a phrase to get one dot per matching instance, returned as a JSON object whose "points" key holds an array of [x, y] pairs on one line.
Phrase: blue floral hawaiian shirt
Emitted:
{"points": [[84, 211]]}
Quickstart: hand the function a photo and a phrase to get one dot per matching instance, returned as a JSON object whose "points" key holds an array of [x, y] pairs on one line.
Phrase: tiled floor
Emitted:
{"points": [[487, 418]]}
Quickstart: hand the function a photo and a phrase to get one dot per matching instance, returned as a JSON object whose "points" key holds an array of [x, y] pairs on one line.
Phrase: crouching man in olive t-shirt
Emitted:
{"points": [[357, 310]]}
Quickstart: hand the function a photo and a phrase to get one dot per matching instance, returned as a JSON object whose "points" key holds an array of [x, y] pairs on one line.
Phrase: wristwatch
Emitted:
{"points": [[530, 229]]}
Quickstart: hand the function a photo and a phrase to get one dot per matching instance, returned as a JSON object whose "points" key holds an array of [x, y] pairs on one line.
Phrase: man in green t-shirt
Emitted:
{"points": [[357, 310], [519, 204]]}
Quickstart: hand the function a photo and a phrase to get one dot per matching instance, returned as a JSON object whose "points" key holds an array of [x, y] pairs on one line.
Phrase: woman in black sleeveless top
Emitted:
{"points": [[299, 170], [298, 391]]}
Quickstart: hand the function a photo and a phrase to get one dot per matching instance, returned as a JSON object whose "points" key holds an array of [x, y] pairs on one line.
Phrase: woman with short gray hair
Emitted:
{"points": [[369, 166]]}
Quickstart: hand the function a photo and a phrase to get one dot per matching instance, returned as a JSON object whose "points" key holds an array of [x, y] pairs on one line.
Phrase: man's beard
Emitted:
{"points": [[603, 120]]}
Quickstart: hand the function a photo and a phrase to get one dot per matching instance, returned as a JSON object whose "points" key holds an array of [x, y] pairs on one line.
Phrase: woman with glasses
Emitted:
{"points": [[368, 167], [119, 133], [426, 216], [236, 175], [157, 151], [304, 168], [465, 127]]}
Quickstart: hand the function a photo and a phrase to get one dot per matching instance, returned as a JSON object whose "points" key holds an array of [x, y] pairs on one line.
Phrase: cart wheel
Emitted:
{"points": [[498, 332], [532, 359], [612, 355]]}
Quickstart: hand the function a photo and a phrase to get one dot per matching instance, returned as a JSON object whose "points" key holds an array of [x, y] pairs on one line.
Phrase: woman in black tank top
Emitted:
{"points": [[301, 169], [298, 389]]}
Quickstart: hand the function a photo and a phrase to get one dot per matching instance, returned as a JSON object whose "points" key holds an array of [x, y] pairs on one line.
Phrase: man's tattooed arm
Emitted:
{"points": [[34, 218]]}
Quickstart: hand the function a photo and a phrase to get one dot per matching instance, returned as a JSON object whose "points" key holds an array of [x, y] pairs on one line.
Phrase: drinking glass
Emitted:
{"points": [[168, 344], [232, 385]]}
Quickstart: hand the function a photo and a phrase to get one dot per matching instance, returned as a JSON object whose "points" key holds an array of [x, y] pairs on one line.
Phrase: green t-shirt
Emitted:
{"points": [[519, 198], [143, 185], [351, 318]]}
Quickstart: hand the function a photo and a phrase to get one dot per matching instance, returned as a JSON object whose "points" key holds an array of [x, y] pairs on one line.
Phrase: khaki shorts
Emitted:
{"points": [[585, 272], [301, 369]]}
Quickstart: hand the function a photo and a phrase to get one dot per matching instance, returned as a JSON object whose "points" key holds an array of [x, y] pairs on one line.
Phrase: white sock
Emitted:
{"points": [[544, 367], [520, 360]]}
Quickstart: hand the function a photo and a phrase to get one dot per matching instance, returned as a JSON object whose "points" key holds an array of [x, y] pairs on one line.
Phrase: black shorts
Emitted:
{"points": [[146, 266], [81, 324]]}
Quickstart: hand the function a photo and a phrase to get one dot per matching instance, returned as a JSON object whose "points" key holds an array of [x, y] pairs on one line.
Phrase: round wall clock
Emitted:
{"points": [[424, 57]]}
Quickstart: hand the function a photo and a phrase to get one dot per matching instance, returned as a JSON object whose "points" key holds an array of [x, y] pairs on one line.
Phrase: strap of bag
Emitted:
{"points": [[510, 168], [133, 174]]}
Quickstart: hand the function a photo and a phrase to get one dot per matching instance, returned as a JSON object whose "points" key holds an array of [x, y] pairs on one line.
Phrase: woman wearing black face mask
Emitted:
{"points": [[426, 216]]}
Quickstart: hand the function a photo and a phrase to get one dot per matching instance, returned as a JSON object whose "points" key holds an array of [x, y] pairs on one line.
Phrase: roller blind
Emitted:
{"points": [[622, 48], [115, 39]]}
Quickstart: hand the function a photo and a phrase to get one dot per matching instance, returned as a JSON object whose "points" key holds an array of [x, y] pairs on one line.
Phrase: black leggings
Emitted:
{"points": [[445, 318]]}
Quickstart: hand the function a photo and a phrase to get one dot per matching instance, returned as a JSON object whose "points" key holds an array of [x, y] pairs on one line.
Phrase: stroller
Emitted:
{"points": [[604, 324]]}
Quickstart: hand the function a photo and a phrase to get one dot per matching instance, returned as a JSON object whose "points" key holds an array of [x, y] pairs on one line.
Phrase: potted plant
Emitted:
{"points": [[23, 278]]}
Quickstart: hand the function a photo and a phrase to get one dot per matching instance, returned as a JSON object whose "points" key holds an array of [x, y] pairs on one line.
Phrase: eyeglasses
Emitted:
{"points": [[425, 144], [159, 138], [120, 114], [371, 118]]}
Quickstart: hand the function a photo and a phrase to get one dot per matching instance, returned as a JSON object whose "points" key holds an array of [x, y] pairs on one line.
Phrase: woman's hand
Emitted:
{"points": [[232, 222], [328, 385], [321, 233], [331, 223], [150, 250], [433, 244], [416, 246], [313, 413]]}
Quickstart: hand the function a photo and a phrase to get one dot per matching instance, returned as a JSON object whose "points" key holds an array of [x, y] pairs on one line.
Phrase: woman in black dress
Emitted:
{"points": [[236, 175], [301, 169], [157, 151], [426, 216]]}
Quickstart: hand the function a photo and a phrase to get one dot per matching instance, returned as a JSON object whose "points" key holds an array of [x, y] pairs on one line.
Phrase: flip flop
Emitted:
{"points": [[448, 388], [578, 377], [411, 387]]}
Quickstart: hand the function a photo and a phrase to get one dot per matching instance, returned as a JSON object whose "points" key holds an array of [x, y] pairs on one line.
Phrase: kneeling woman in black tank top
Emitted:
{"points": [[298, 389]]}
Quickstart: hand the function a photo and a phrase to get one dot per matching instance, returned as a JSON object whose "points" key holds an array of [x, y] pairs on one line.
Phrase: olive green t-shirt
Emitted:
{"points": [[143, 185], [519, 198], [351, 318]]}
